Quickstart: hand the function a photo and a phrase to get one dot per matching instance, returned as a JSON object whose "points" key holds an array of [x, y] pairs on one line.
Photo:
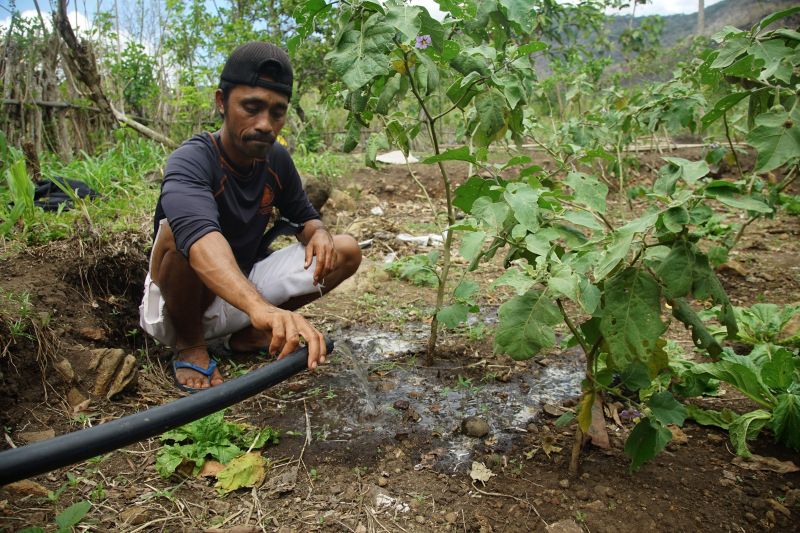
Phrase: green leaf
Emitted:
{"points": [[388, 94], [747, 427], [740, 372], [247, 470], [520, 12], [709, 417], [353, 135], [677, 268], [405, 19], [589, 191], [492, 117], [702, 338], [453, 315], [675, 218], [731, 49], [531, 48], [588, 295], [582, 218], [523, 200], [471, 244], [646, 440], [743, 202], [766, 21], [517, 280], [563, 281], [526, 325], [722, 106], [776, 138], [690, 171], [616, 252], [561, 421], [666, 409], [465, 290], [707, 285], [454, 154], [631, 322], [786, 420], [493, 214], [472, 189], [362, 54], [779, 372], [376, 141], [635, 376], [72, 515]]}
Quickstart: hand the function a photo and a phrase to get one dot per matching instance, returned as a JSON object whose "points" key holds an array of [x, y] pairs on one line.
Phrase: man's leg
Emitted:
{"points": [[186, 299], [348, 255]]}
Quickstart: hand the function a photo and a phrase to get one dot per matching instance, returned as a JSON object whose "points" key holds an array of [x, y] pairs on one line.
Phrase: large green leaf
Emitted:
{"points": [[472, 189], [676, 269], [779, 372], [520, 11], [646, 440], [405, 19], [786, 420], [454, 154], [361, 54], [740, 372], [776, 138], [766, 21], [723, 105], [526, 325], [493, 214], [631, 322], [471, 244], [589, 190], [453, 315], [616, 252], [73, 514], [388, 94], [747, 427], [666, 409], [522, 198], [690, 171], [709, 417], [743, 202], [492, 116], [707, 285]]}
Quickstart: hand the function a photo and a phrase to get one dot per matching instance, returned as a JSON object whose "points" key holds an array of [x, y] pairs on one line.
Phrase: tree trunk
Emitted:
{"points": [[701, 16]]}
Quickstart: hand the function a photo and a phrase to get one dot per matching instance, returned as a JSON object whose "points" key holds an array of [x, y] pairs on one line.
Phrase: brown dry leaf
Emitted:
{"points": [[678, 436], [480, 472], [597, 430], [770, 464], [733, 266], [614, 408], [36, 436], [211, 469], [92, 333], [549, 446], [283, 483], [26, 487]]}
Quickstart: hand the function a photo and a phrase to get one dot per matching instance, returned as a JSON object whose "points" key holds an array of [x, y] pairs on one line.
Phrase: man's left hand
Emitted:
{"points": [[321, 246]]}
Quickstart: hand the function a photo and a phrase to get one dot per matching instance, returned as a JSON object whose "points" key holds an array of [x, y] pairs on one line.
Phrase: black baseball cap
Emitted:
{"points": [[249, 62]]}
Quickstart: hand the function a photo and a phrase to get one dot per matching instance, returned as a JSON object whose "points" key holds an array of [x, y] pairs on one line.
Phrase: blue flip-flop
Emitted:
{"points": [[207, 372]]}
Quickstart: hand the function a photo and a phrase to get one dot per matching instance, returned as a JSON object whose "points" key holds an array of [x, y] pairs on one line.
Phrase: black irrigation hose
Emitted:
{"points": [[44, 456]]}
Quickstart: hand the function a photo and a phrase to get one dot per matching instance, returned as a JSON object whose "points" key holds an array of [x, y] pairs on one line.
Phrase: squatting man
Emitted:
{"points": [[211, 272]]}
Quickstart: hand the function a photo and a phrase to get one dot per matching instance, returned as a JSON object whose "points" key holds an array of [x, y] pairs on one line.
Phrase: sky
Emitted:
{"points": [[654, 7]]}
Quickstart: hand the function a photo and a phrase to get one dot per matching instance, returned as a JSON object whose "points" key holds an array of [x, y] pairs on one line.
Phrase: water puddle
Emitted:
{"points": [[383, 391]]}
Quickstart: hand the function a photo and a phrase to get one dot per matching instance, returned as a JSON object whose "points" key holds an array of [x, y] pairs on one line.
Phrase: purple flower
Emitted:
{"points": [[630, 414], [423, 41]]}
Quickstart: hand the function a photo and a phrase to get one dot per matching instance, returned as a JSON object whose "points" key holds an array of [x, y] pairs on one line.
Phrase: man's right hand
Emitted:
{"points": [[286, 328]]}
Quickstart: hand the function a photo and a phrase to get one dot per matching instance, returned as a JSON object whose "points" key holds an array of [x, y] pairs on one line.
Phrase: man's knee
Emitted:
{"points": [[348, 252]]}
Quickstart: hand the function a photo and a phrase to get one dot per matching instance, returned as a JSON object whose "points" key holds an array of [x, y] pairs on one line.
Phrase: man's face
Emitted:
{"points": [[253, 117]]}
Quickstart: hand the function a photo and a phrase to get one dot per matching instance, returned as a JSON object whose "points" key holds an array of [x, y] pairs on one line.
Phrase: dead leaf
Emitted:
{"points": [[549, 446], [758, 462], [36, 436], [597, 430], [75, 398], [26, 487], [64, 367], [733, 266], [678, 436], [614, 408], [92, 333], [247, 470], [211, 469], [480, 472], [553, 409], [283, 483]]}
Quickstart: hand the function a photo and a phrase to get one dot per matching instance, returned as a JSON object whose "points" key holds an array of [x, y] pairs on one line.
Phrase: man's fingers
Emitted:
{"points": [[278, 337], [309, 256], [292, 340]]}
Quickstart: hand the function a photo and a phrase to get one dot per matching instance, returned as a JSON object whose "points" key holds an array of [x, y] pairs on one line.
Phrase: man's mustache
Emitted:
{"points": [[265, 138]]}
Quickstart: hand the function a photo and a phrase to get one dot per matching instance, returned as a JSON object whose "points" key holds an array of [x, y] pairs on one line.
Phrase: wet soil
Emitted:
{"points": [[375, 437]]}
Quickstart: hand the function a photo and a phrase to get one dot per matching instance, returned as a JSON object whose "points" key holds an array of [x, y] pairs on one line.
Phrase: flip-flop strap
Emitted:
{"points": [[212, 365]]}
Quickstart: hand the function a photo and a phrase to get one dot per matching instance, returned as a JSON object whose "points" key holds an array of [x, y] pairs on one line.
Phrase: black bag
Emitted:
{"points": [[49, 196]]}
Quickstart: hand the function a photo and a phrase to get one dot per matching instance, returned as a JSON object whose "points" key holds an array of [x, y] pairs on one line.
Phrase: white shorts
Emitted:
{"points": [[278, 278]]}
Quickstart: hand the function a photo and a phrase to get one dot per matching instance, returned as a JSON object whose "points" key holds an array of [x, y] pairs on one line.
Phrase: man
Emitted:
{"points": [[211, 274]]}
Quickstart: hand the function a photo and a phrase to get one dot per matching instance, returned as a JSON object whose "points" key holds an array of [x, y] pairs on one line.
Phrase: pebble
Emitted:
{"points": [[595, 506], [564, 483], [474, 426], [751, 517], [451, 517], [402, 405], [603, 491], [779, 507], [420, 519], [564, 526], [582, 494], [382, 481]]}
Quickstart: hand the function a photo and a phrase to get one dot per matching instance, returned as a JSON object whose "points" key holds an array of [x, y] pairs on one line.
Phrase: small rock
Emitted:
{"points": [[595, 506], [713, 437], [532, 428], [603, 491], [76, 399], [376, 211], [64, 368], [92, 333], [770, 516], [679, 438], [564, 526], [564, 483], [384, 386], [361, 528], [451, 517], [582, 494], [420, 519], [750, 517], [382, 481], [474, 426], [415, 394], [401, 405], [389, 188], [553, 410], [792, 498]]}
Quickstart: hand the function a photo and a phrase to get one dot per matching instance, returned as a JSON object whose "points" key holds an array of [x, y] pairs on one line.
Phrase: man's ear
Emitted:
{"points": [[219, 102]]}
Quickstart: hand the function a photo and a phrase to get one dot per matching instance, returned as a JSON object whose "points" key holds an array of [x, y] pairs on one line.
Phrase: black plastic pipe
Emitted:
{"points": [[44, 456]]}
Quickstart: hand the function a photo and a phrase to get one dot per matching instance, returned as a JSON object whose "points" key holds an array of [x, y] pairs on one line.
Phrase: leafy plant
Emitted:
{"points": [[418, 269], [210, 436], [66, 519]]}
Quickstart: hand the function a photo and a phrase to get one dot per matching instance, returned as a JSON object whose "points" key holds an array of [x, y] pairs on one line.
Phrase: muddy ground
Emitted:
{"points": [[386, 451]]}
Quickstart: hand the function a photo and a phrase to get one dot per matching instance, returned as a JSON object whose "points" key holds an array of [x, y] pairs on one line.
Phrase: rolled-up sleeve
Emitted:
{"points": [[187, 197]]}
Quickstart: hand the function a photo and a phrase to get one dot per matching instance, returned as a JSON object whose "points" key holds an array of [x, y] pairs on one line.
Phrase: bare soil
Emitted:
{"points": [[406, 466]]}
